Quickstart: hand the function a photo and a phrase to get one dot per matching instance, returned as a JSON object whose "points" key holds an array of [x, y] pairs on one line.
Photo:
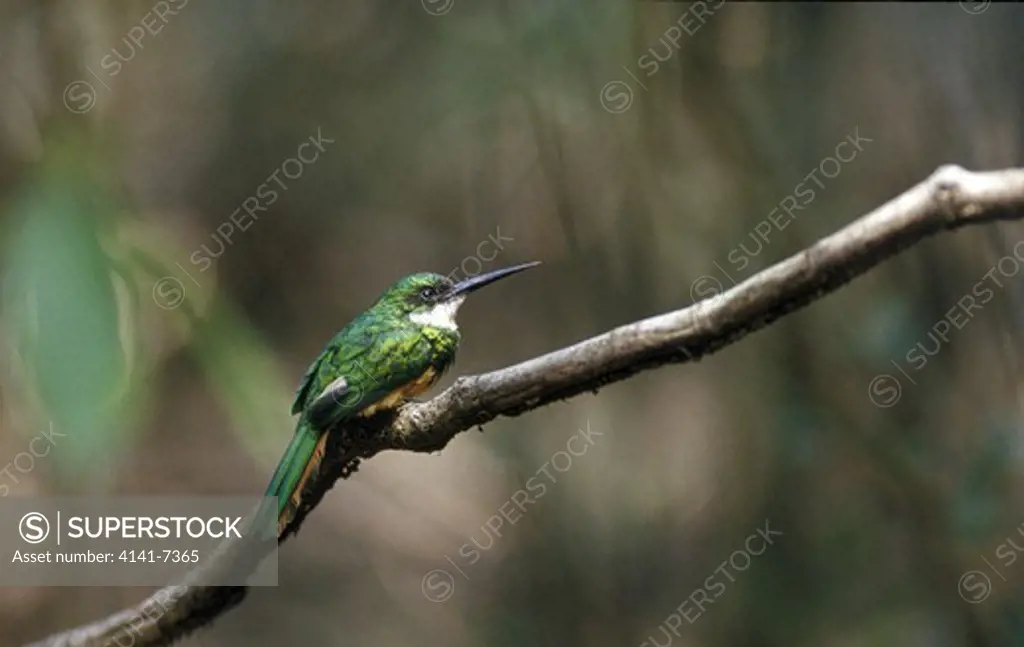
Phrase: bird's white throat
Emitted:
{"points": [[441, 315]]}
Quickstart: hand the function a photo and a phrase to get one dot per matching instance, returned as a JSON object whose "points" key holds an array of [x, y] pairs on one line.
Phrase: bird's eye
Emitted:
{"points": [[427, 293]]}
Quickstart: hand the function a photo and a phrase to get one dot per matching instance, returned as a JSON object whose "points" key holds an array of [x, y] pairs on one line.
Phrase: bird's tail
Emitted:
{"points": [[299, 466]]}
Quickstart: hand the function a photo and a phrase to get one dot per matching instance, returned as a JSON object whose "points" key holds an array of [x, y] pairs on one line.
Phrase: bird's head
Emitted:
{"points": [[433, 300]]}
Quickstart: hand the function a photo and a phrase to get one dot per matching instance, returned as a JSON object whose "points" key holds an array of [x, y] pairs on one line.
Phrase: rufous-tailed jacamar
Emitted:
{"points": [[384, 357]]}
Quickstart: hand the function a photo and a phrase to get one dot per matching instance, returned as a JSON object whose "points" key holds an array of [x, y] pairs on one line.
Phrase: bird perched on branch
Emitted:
{"points": [[386, 356]]}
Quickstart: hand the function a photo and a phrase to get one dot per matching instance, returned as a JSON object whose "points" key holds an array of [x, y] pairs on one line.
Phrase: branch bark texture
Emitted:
{"points": [[949, 199]]}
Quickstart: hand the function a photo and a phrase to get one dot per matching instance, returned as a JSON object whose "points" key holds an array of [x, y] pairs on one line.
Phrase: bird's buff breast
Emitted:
{"points": [[399, 396]]}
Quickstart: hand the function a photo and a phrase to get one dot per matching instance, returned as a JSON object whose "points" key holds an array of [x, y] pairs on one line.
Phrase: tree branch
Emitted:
{"points": [[951, 198]]}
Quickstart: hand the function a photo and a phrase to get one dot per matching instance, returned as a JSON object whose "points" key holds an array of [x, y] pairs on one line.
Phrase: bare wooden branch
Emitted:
{"points": [[949, 199]]}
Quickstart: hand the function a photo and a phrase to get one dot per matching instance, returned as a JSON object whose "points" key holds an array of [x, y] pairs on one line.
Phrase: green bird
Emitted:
{"points": [[386, 356]]}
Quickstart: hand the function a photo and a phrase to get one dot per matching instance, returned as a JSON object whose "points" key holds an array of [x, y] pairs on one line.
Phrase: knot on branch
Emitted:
{"points": [[949, 181]]}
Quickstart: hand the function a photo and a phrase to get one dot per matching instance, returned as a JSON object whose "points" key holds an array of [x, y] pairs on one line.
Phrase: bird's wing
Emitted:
{"points": [[353, 377], [347, 346]]}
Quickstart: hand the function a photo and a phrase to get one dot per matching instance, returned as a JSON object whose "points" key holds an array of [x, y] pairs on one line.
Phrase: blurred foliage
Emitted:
{"points": [[169, 375], [61, 304]]}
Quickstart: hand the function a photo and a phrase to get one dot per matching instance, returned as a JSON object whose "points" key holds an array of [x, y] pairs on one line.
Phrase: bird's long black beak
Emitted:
{"points": [[480, 280]]}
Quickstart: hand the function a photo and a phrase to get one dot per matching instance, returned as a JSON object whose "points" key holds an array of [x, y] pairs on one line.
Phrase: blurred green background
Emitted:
{"points": [[160, 327]]}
